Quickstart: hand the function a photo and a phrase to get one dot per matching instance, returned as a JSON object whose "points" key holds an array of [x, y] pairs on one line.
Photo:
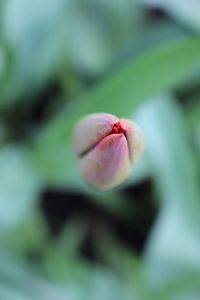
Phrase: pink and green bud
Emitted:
{"points": [[106, 148]]}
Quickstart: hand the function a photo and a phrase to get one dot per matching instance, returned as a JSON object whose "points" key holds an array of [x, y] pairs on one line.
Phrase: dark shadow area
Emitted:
{"points": [[59, 207]]}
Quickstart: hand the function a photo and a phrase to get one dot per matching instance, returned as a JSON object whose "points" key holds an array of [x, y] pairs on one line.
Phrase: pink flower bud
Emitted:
{"points": [[106, 148]]}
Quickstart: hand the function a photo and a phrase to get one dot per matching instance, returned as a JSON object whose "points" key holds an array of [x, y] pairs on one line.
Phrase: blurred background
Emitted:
{"points": [[62, 59]]}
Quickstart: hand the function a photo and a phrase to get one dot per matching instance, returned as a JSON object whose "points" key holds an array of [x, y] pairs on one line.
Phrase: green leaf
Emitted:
{"points": [[187, 13], [172, 247], [19, 281], [153, 72], [19, 187], [160, 69]]}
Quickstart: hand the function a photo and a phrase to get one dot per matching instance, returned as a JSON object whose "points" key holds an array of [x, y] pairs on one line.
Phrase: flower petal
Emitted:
{"points": [[108, 163], [135, 139], [90, 130]]}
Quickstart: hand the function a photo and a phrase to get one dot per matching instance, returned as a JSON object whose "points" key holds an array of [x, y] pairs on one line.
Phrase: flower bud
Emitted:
{"points": [[106, 148]]}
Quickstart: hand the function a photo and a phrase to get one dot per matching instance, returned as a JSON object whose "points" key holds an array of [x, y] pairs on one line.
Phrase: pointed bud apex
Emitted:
{"points": [[106, 147]]}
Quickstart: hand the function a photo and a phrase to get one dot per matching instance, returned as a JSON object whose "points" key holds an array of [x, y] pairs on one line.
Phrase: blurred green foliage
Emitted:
{"points": [[62, 59]]}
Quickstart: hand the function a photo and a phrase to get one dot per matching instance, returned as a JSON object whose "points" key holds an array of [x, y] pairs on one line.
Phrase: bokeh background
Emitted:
{"points": [[62, 59]]}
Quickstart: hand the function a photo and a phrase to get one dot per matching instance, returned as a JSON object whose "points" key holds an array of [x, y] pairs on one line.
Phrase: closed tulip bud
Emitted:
{"points": [[106, 148]]}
